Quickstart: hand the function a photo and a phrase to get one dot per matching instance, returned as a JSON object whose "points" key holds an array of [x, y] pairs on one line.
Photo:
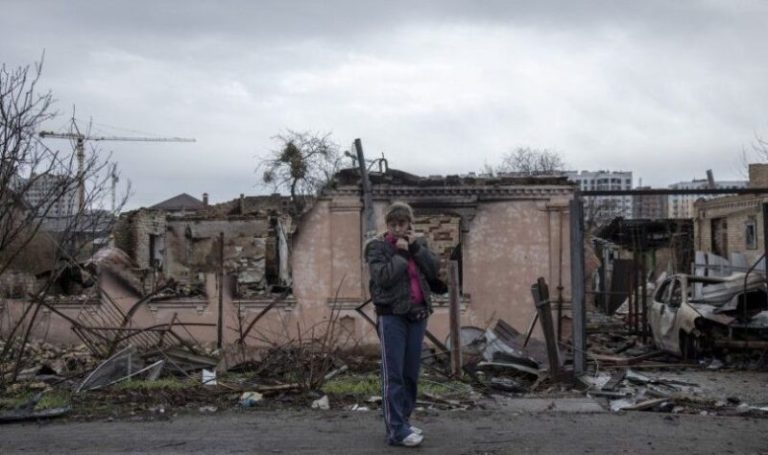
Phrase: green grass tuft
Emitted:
{"points": [[54, 399], [368, 385], [160, 384], [49, 400], [353, 385]]}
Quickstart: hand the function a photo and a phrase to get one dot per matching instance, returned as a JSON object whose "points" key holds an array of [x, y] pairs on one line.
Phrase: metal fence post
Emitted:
{"points": [[578, 310], [455, 319]]}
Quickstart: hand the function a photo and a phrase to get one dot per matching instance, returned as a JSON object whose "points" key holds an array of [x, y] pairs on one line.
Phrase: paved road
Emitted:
{"points": [[347, 432]]}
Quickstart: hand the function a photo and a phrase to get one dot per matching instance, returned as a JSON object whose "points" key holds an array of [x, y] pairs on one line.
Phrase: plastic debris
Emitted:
{"points": [[249, 399], [322, 403]]}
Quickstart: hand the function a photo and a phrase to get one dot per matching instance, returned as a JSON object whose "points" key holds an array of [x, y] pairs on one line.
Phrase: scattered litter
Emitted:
{"points": [[209, 377], [357, 407], [335, 372], [208, 409], [249, 399], [715, 364], [322, 403]]}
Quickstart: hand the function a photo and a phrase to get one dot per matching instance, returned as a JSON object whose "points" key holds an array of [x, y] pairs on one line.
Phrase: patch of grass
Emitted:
{"points": [[54, 399], [353, 385], [10, 402], [160, 384], [49, 400], [368, 385], [445, 389]]}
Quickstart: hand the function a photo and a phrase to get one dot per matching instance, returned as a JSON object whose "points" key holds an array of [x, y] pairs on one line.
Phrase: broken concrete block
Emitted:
{"points": [[322, 403]]}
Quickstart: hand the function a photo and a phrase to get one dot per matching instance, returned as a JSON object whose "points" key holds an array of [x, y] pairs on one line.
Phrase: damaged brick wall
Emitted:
{"points": [[133, 230], [510, 233], [15, 284], [443, 233], [737, 214]]}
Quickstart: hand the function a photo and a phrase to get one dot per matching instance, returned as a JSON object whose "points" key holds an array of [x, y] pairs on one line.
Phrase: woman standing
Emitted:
{"points": [[400, 266]]}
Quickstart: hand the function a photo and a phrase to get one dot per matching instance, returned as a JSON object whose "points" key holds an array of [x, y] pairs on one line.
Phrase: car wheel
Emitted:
{"points": [[690, 347]]}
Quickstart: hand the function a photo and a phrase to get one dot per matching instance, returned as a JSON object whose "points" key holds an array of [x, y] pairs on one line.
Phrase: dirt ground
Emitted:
{"points": [[460, 432]]}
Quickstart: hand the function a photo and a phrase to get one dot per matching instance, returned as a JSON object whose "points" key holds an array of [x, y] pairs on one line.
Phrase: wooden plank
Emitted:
{"points": [[455, 319]]}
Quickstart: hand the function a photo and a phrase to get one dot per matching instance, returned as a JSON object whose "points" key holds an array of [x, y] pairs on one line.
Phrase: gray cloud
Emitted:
{"points": [[665, 89]]}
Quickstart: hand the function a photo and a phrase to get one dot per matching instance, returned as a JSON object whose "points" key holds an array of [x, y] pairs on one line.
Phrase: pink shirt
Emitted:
{"points": [[417, 296]]}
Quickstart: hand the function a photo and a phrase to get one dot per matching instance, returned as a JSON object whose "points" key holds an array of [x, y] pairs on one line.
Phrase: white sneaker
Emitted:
{"points": [[412, 440], [417, 430]]}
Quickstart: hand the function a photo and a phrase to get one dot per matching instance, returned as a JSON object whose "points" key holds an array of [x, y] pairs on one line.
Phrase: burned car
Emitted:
{"points": [[695, 315]]}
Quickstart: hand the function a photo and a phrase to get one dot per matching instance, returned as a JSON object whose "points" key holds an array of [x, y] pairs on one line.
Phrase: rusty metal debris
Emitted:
{"points": [[27, 412], [120, 365]]}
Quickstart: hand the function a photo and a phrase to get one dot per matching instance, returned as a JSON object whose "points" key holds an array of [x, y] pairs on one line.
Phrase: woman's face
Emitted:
{"points": [[399, 228]]}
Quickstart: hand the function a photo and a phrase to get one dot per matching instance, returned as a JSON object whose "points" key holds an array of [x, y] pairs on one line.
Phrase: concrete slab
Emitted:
{"points": [[583, 405]]}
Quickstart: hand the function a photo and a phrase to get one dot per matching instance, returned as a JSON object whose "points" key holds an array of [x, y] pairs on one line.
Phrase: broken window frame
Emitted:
{"points": [[662, 291], [750, 233], [457, 252], [676, 294], [719, 234]]}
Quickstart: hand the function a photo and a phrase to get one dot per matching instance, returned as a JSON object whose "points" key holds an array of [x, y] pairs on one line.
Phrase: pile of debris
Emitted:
{"points": [[43, 361], [628, 390], [176, 289], [501, 359]]}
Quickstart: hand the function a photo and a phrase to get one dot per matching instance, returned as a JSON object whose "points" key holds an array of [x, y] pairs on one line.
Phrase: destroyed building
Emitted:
{"points": [[293, 274], [734, 224]]}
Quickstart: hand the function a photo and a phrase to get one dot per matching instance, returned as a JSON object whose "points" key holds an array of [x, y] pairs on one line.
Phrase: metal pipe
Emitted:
{"points": [[455, 319], [220, 320], [661, 191]]}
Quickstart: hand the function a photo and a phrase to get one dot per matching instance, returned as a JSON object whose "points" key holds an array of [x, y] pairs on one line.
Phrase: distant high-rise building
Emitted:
{"points": [[649, 206], [681, 205], [604, 207], [50, 187]]}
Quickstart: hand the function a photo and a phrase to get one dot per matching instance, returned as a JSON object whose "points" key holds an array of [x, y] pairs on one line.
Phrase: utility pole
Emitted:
{"points": [[369, 221]]}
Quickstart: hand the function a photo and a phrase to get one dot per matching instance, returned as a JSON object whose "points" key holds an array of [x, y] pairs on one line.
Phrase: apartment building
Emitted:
{"points": [[681, 205], [604, 207]]}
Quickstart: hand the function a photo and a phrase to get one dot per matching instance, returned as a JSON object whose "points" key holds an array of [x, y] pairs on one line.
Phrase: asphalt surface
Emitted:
{"points": [[352, 432]]}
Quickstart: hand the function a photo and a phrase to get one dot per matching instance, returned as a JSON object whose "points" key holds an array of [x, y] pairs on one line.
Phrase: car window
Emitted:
{"points": [[661, 293], [676, 298]]}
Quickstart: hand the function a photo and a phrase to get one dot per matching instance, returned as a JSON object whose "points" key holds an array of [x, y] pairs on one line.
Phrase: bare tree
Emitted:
{"points": [[47, 226], [528, 161], [599, 211], [760, 148], [304, 163], [756, 152]]}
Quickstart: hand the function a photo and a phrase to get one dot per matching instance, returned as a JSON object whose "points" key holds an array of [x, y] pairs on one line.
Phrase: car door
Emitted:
{"points": [[658, 308], [669, 311]]}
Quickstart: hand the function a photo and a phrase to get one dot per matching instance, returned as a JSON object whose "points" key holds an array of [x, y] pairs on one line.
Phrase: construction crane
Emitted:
{"points": [[80, 151]]}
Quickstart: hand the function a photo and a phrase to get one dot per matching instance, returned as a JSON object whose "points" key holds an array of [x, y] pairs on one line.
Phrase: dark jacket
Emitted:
{"points": [[388, 266]]}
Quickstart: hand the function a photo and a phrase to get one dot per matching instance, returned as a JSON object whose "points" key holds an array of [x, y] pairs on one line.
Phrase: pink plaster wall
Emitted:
{"points": [[507, 246]]}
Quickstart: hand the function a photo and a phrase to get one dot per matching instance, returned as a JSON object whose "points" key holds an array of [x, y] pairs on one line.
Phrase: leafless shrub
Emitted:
{"points": [[52, 204], [527, 161], [303, 164]]}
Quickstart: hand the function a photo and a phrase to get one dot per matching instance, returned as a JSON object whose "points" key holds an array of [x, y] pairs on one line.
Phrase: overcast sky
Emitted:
{"points": [[665, 89]]}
